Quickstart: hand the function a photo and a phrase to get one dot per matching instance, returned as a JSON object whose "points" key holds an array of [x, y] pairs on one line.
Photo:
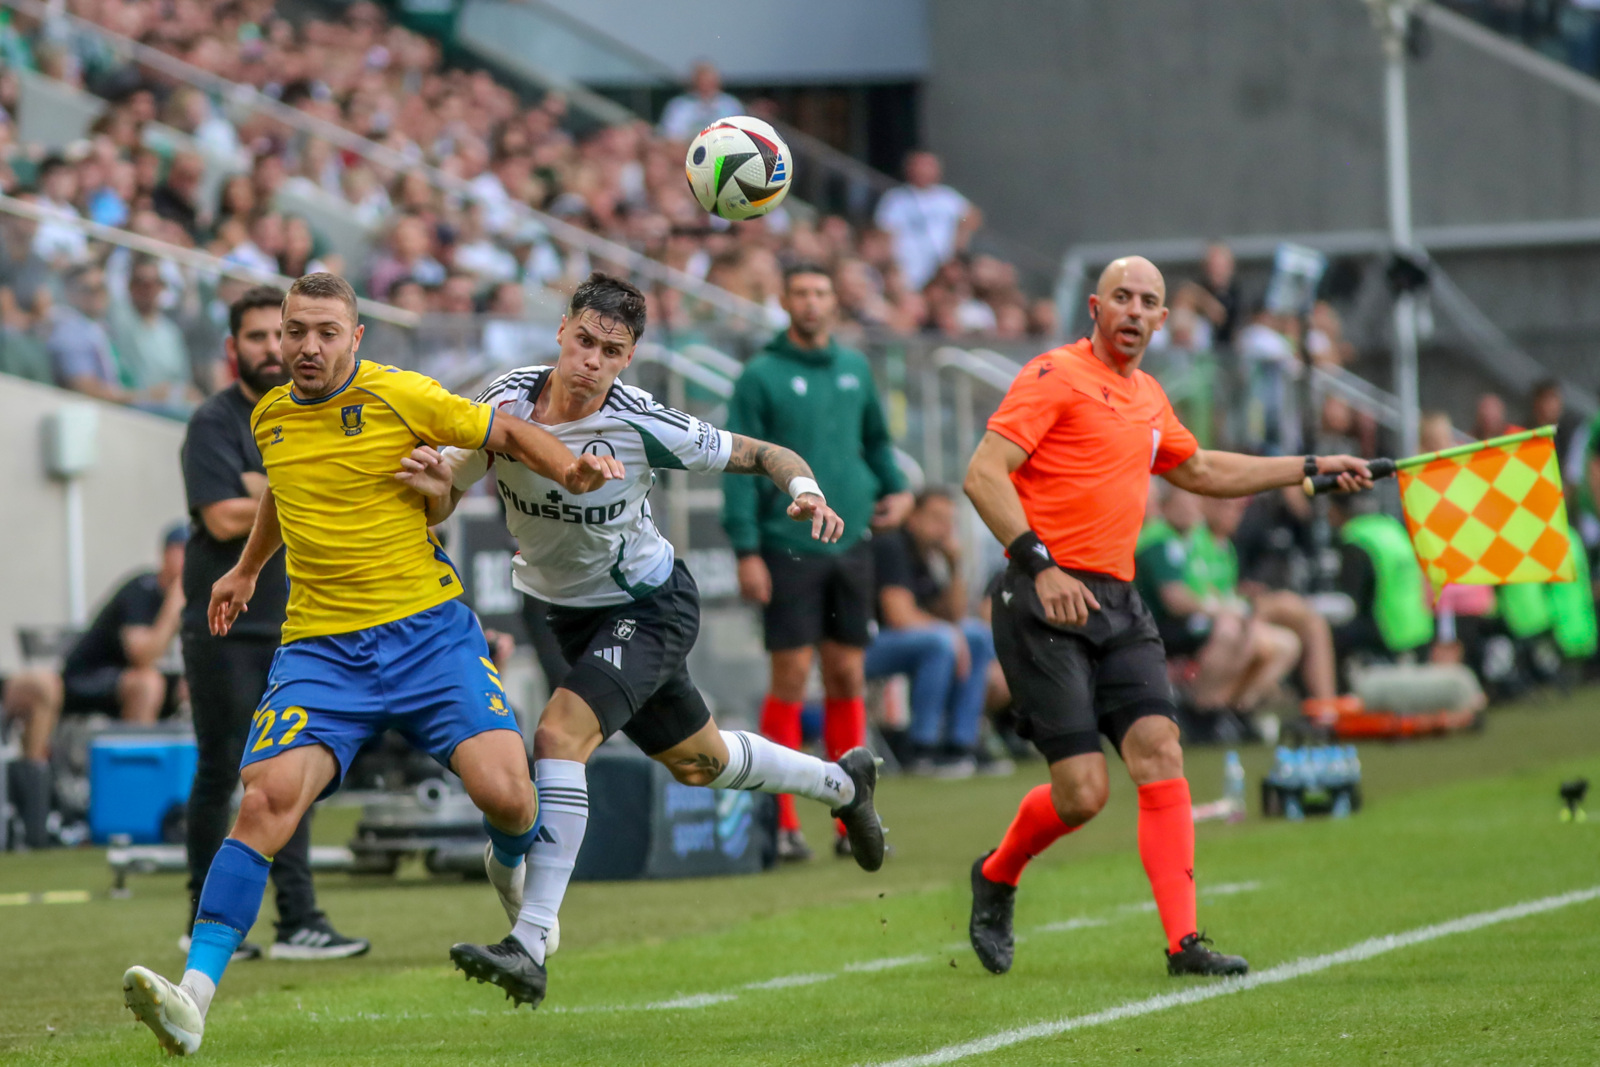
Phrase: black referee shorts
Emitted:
{"points": [[630, 663], [820, 596], [1071, 684]]}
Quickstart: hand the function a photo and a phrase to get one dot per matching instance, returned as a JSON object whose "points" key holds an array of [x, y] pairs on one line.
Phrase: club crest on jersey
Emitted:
{"points": [[598, 447], [799, 385], [350, 418], [497, 705], [849, 381], [624, 629]]}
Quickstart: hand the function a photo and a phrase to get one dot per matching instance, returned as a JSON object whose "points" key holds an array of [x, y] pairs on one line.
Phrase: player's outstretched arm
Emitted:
{"points": [[432, 474], [230, 595], [540, 452], [791, 474], [1067, 601], [1212, 473]]}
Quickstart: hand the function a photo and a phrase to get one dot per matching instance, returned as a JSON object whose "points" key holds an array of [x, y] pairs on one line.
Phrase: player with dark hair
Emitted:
{"points": [[374, 638], [625, 610], [224, 478], [806, 392], [1061, 478]]}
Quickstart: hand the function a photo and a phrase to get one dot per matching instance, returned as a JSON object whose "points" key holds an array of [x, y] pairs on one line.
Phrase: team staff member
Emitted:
{"points": [[1061, 478], [807, 393], [224, 479]]}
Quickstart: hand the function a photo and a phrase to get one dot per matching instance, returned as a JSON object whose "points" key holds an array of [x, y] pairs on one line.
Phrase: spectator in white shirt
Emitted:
{"points": [[691, 112], [477, 254], [929, 222], [59, 243], [234, 244]]}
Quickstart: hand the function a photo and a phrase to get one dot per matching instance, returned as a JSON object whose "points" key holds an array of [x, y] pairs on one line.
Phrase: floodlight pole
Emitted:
{"points": [[1391, 18]]}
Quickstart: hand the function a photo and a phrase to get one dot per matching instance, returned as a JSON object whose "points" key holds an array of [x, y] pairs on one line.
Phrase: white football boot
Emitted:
{"points": [[166, 1008], [508, 882]]}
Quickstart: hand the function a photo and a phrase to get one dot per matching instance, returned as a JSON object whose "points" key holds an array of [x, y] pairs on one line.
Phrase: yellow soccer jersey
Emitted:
{"points": [[359, 550]]}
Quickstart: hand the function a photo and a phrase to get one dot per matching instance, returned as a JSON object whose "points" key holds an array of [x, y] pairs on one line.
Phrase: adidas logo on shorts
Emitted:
{"points": [[612, 655]]}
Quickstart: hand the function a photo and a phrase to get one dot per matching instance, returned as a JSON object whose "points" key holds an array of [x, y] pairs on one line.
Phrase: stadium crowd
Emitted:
{"points": [[1241, 590], [164, 161]]}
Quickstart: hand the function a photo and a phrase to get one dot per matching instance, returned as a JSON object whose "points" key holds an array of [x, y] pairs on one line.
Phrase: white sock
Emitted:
{"points": [[199, 986], [564, 812], [764, 766]]}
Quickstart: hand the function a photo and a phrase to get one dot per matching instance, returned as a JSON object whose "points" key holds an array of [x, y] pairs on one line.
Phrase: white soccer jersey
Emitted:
{"points": [[602, 547]]}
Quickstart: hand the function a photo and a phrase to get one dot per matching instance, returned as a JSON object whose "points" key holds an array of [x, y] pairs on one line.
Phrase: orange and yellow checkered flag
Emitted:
{"points": [[1489, 513]]}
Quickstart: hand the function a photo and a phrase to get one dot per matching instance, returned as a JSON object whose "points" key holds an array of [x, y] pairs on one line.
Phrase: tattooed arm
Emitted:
{"points": [[751, 456], [783, 465]]}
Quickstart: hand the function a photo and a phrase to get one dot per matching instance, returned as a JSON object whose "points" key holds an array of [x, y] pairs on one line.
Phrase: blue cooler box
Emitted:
{"points": [[135, 778]]}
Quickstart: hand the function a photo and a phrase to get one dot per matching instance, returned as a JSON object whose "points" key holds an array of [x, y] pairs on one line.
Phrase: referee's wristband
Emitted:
{"points": [[1030, 553], [801, 484]]}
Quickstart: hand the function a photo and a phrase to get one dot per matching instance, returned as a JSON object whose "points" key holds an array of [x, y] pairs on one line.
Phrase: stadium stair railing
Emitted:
{"points": [[826, 178], [1480, 339], [241, 97], [191, 258]]}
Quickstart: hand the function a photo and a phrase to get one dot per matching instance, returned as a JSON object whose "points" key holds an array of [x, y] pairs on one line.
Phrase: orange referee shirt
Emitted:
{"points": [[1093, 440]]}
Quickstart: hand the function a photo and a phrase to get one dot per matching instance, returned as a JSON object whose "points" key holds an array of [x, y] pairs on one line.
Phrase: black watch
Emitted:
{"points": [[1311, 467]]}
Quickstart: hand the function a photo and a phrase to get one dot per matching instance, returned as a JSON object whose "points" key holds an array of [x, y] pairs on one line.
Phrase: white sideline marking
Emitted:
{"points": [[697, 1000], [1069, 924], [868, 966], [709, 1000], [1228, 889], [1283, 972], [789, 981]]}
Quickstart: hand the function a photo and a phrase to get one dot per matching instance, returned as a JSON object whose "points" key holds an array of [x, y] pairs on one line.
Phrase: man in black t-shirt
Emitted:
{"points": [[924, 632], [115, 667], [224, 478]]}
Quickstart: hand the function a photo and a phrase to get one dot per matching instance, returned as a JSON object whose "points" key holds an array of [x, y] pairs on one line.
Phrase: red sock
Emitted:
{"points": [[844, 725], [1166, 845], [1036, 828], [780, 722]]}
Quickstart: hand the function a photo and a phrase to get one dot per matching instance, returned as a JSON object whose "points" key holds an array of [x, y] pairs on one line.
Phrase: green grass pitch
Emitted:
{"points": [[827, 965]]}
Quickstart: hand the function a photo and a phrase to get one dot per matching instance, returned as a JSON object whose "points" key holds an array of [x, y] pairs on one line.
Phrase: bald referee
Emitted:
{"points": [[1061, 479]]}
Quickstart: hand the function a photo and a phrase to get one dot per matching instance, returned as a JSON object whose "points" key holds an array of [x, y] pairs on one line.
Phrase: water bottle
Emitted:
{"points": [[1313, 775], [1341, 804], [1343, 799], [1283, 766], [1335, 767], [1233, 785], [1295, 784]]}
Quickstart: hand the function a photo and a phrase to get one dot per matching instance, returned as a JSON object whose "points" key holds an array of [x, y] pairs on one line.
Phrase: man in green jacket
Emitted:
{"points": [[807, 393]]}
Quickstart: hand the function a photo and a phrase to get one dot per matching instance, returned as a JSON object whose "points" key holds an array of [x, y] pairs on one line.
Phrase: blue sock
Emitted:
{"points": [[510, 848], [229, 904]]}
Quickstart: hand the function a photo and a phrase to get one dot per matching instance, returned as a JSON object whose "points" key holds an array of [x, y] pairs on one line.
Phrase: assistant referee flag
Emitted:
{"points": [[1490, 513]]}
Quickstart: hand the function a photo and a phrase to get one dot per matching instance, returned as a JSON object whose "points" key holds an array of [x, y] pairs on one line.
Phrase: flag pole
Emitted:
{"points": [[1386, 468], [1461, 450]]}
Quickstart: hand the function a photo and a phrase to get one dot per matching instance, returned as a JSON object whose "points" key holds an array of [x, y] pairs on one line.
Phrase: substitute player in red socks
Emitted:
{"points": [[808, 393], [1061, 478]]}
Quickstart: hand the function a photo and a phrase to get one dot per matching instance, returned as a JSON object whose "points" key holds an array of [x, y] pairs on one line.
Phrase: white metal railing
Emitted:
{"points": [[1487, 344], [188, 257], [862, 182], [250, 99]]}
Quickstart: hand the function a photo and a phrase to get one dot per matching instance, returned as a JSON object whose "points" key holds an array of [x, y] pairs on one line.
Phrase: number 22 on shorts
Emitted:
{"points": [[265, 719]]}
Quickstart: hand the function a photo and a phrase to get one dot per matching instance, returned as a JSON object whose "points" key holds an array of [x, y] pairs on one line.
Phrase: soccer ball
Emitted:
{"points": [[738, 168]]}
